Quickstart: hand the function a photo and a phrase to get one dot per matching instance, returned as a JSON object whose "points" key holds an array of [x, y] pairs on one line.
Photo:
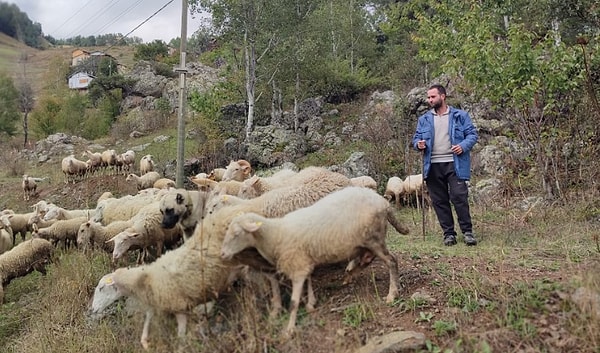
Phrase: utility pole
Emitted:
{"points": [[182, 97]]}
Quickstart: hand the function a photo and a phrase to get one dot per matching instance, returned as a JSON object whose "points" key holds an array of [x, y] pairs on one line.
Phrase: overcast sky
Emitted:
{"points": [[68, 18]]}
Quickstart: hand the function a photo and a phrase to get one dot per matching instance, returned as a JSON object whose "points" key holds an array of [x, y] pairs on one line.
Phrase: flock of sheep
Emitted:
{"points": [[289, 223]]}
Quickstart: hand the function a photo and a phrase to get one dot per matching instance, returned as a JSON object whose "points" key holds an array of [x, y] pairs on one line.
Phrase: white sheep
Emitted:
{"points": [[29, 187], [19, 224], [163, 183], [230, 187], [94, 161], [339, 227], [394, 189], [179, 280], [256, 186], [62, 213], [39, 221], [413, 185], [92, 234], [310, 185], [6, 235], [145, 231], [128, 159], [364, 181], [109, 160], [145, 181], [237, 170], [105, 196], [146, 164], [73, 168], [30, 255], [62, 230], [121, 209], [216, 174]]}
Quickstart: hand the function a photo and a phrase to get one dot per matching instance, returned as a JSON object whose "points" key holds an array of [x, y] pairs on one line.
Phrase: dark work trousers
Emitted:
{"points": [[444, 187]]}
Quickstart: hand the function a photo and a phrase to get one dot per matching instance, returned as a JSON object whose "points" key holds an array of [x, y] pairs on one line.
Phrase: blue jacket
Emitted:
{"points": [[462, 132]]}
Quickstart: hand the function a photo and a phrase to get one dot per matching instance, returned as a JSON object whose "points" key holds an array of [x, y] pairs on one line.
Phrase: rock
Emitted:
{"points": [[356, 165], [399, 341]]}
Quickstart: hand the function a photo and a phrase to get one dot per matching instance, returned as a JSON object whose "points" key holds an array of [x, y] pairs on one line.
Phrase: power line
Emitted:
{"points": [[73, 15], [119, 17], [146, 20], [97, 16]]}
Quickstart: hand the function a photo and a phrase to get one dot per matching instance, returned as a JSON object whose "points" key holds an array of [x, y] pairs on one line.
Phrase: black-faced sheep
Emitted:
{"points": [[145, 181], [30, 255], [238, 170], [176, 282], [339, 227], [145, 231], [180, 206], [29, 187]]}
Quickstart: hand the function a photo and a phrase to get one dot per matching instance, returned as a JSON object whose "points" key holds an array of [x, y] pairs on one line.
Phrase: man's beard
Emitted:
{"points": [[436, 105]]}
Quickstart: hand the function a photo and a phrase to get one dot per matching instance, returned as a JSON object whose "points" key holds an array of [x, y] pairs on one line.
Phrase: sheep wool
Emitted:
{"points": [[176, 282], [346, 224], [29, 255]]}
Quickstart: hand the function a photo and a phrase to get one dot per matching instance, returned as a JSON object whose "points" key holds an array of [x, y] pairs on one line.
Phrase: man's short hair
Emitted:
{"points": [[441, 89]]}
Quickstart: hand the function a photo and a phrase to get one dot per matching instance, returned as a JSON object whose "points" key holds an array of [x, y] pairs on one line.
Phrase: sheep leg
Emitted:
{"points": [[144, 338], [312, 300], [181, 324], [392, 264], [297, 286], [276, 304]]}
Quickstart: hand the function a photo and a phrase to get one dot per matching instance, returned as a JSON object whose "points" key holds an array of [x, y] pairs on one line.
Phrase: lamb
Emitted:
{"points": [[146, 164], [341, 226], [6, 235], [179, 280], [73, 168], [145, 231], [92, 233], [180, 206], [237, 170], [33, 254], [364, 181], [163, 183], [63, 230], [256, 186], [94, 160], [145, 181], [394, 189], [29, 187]]}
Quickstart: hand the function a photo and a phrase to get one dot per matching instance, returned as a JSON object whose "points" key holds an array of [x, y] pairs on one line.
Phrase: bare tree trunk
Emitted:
{"points": [[25, 128], [250, 59]]}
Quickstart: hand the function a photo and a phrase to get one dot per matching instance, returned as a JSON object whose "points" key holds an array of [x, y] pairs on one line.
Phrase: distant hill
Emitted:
{"points": [[23, 62]]}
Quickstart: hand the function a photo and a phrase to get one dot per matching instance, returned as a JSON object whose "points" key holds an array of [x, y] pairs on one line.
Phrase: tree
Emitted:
{"points": [[26, 102], [155, 51], [9, 111]]}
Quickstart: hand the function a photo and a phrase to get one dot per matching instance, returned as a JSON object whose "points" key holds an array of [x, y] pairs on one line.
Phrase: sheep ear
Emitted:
{"points": [[251, 226], [108, 280], [253, 180], [111, 239]]}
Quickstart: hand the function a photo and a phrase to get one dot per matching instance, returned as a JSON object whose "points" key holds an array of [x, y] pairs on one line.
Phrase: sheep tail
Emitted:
{"points": [[401, 228]]}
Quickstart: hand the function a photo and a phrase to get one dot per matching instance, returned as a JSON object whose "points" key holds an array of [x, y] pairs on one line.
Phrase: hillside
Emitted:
{"points": [[21, 61]]}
